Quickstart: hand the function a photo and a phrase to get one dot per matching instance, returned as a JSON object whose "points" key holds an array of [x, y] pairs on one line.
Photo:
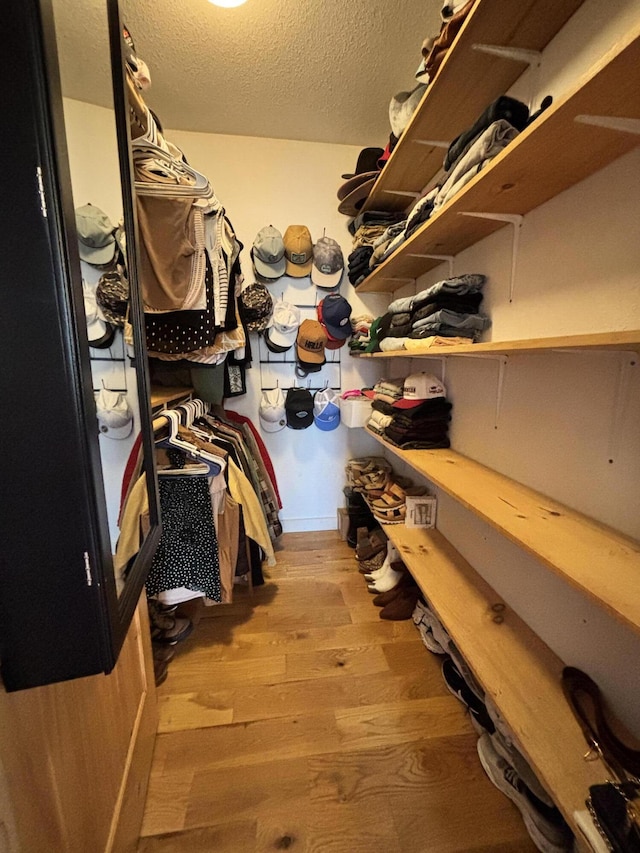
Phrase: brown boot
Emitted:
{"points": [[384, 598], [402, 606]]}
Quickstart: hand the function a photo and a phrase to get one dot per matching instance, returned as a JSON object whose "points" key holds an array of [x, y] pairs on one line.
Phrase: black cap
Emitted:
{"points": [[299, 408]]}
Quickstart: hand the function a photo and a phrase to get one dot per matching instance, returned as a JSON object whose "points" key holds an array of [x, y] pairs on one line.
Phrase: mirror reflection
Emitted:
{"points": [[97, 194]]}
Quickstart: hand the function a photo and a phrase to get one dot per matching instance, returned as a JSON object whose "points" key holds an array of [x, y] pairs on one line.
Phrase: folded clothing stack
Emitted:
{"points": [[418, 419], [367, 229], [361, 326]]}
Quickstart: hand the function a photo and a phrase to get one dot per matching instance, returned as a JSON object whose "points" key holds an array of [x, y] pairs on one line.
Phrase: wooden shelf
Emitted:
{"points": [[547, 158], [451, 104], [599, 561], [162, 396], [598, 341], [517, 670]]}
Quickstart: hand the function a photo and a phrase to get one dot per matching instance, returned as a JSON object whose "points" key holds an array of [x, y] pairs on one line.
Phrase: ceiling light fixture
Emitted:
{"points": [[227, 4]]}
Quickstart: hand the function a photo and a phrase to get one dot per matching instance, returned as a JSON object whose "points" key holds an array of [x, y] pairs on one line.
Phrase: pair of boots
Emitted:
{"points": [[395, 589], [359, 515]]}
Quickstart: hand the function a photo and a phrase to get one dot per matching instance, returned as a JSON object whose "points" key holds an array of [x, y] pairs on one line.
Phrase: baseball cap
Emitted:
{"points": [[258, 305], [115, 418], [268, 253], [99, 332], [299, 408], [328, 263], [112, 295], [298, 250], [310, 344], [271, 410], [336, 312], [281, 333], [332, 343], [419, 387], [96, 240], [326, 410]]}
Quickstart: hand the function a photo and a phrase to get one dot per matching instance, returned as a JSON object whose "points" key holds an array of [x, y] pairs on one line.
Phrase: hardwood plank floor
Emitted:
{"points": [[296, 719]]}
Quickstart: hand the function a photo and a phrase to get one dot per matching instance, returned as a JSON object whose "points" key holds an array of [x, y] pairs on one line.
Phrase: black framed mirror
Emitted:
{"points": [[65, 602]]}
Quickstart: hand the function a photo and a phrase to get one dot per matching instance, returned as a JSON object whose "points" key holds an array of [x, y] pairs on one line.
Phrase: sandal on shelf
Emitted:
{"points": [[393, 496], [391, 515]]}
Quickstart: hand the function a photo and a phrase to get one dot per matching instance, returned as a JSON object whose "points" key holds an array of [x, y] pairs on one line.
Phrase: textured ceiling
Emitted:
{"points": [[319, 70]]}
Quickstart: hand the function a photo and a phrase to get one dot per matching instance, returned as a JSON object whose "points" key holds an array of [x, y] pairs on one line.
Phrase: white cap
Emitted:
{"points": [[271, 411], [283, 326], [419, 387], [115, 418]]}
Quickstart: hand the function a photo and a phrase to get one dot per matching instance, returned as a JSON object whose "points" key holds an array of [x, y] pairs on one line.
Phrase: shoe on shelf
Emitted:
{"points": [[167, 628], [460, 689], [383, 598], [372, 544], [402, 605], [430, 642], [504, 743], [367, 567], [545, 825], [386, 582]]}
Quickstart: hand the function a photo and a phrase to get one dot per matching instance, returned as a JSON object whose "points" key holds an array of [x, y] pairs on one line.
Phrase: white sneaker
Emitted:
{"points": [[545, 826]]}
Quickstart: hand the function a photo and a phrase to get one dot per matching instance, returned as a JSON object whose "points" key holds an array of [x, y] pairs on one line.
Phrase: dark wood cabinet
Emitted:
{"points": [[61, 615]]}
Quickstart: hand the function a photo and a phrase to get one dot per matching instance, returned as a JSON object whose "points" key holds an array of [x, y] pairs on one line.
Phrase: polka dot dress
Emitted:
{"points": [[187, 555]]}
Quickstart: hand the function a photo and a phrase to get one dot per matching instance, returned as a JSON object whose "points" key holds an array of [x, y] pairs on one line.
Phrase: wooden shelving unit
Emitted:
{"points": [[517, 670], [594, 558], [551, 155], [609, 341], [450, 104]]}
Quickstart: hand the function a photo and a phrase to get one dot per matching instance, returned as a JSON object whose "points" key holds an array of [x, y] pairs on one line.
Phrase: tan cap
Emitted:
{"points": [[298, 250], [311, 342]]}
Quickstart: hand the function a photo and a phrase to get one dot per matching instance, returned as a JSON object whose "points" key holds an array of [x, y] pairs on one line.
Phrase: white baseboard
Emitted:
{"points": [[308, 525]]}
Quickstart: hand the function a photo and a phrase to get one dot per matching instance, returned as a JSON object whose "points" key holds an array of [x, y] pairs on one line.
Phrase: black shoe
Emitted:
{"points": [[461, 690]]}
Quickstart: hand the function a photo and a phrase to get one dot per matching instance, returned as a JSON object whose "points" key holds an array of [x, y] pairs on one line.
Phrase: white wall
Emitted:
{"points": [[559, 429]]}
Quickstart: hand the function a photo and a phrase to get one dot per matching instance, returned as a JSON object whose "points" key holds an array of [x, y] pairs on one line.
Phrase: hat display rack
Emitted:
{"points": [[278, 370]]}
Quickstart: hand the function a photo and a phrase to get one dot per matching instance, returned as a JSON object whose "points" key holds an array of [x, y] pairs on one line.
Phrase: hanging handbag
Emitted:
{"points": [[613, 805]]}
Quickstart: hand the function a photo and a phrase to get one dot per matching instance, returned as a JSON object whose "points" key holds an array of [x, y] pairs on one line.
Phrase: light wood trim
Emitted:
{"points": [[547, 158], [517, 670], [598, 341], [594, 558], [450, 104], [161, 396]]}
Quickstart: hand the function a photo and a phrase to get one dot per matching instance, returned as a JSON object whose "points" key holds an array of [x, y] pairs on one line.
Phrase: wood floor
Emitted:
{"points": [[297, 719]]}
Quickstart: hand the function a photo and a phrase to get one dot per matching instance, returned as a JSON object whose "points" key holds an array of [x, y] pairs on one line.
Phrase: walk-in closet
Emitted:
{"points": [[321, 391]]}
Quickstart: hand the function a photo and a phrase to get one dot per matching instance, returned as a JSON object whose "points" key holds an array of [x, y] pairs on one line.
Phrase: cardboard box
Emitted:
{"points": [[421, 511]]}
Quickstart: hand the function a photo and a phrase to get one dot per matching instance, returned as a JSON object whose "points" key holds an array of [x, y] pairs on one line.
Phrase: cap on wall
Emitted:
{"points": [[96, 239], [419, 387], [298, 250], [99, 332], [281, 333], [257, 306], [299, 408], [326, 410], [336, 313], [115, 418], [328, 263], [268, 253], [271, 411]]}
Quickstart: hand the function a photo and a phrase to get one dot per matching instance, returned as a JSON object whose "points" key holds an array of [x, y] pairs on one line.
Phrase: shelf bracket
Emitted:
{"points": [[515, 220], [532, 58], [449, 258], [432, 143], [619, 401], [624, 125], [402, 192]]}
